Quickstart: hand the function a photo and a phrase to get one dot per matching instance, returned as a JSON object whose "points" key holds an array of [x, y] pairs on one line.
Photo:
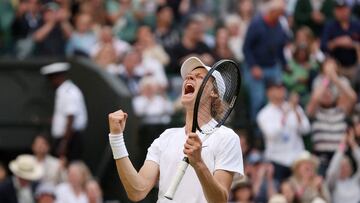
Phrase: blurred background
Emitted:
{"points": [[298, 116]]}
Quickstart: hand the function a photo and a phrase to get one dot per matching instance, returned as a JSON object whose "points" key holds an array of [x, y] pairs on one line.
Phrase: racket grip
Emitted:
{"points": [[177, 178]]}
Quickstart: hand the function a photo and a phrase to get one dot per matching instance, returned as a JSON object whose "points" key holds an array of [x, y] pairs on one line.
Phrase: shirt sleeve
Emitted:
{"points": [[70, 103], [153, 153], [229, 156]]}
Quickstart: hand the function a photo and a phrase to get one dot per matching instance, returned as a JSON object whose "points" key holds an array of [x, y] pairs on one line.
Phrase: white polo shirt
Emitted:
{"points": [[221, 151], [68, 101]]}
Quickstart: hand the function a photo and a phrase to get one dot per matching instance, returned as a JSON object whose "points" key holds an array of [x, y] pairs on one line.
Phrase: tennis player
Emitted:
{"points": [[214, 161]]}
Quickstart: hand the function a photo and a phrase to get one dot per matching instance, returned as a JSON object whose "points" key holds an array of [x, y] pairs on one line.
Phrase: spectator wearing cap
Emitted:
{"points": [[263, 49], [53, 167], [45, 193], [70, 114], [21, 186], [308, 186], [282, 123], [261, 174], [53, 31], [313, 13], [341, 39], [341, 178], [331, 102]]}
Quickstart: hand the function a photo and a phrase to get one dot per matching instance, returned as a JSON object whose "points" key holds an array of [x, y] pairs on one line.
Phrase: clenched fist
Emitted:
{"points": [[192, 149], [117, 122]]}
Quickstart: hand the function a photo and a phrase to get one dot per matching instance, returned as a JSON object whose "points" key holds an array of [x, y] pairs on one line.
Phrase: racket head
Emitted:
{"points": [[217, 96]]}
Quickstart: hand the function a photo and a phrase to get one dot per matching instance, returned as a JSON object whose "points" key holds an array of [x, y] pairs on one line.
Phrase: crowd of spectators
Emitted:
{"points": [[301, 77]]}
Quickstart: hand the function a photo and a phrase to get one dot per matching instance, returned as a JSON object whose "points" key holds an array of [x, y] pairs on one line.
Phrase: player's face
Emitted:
{"points": [[191, 86]]}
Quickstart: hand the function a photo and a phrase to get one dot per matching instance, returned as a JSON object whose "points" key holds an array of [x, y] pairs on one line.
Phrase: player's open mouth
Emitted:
{"points": [[189, 89]]}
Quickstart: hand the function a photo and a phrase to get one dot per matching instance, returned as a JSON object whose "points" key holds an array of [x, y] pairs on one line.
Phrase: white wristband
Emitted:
{"points": [[118, 147]]}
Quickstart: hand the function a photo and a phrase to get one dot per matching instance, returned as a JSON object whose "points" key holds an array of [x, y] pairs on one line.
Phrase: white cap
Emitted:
{"points": [[192, 63], [54, 68]]}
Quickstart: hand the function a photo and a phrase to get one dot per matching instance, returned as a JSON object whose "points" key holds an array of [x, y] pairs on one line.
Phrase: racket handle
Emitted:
{"points": [[177, 178]]}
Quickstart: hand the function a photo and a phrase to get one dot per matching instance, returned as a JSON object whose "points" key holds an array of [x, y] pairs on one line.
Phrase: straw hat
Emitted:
{"points": [[25, 166], [305, 156]]}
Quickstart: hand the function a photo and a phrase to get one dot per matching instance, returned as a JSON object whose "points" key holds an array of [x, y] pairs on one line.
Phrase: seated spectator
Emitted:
{"points": [[73, 190], [83, 38], [53, 31], [222, 49], [53, 168], [236, 36], [3, 173], [288, 192], [94, 192], [261, 175], [149, 47], [27, 20], [313, 14], [108, 50], [330, 104], [341, 38], [122, 18], [298, 78], [165, 32], [306, 183], [129, 72], [154, 120], [95, 9], [241, 191], [206, 23], [21, 186], [45, 193], [282, 123], [191, 44], [343, 181]]}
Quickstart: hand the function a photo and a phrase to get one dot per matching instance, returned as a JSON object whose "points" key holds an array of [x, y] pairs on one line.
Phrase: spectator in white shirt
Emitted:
{"points": [[73, 190], [70, 115], [282, 124], [154, 120], [53, 167]]}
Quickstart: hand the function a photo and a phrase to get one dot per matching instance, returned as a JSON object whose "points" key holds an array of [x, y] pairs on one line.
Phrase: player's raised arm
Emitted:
{"points": [[136, 184]]}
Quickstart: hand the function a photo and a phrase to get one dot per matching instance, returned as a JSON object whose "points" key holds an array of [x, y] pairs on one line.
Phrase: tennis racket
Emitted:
{"points": [[214, 102]]}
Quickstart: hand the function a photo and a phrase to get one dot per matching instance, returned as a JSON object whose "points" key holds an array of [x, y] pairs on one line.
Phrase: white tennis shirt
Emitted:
{"points": [[68, 101], [221, 151]]}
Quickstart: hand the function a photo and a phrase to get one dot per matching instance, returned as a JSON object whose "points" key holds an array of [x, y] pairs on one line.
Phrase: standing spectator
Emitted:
{"points": [[330, 103], [341, 39], [149, 47], [108, 50], [53, 167], [342, 180], [73, 190], [154, 120], [27, 20], [83, 38], [45, 193], [313, 13], [282, 123], [165, 32], [298, 78], [308, 186], [21, 187], [264, 58], [70, 115], [191, 44], [222, 49], [93, 192], [53, 31]]}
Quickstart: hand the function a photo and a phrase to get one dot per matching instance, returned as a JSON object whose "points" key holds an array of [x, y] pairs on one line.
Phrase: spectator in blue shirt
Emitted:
{"points": [[263, 50], [341, 38]]}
